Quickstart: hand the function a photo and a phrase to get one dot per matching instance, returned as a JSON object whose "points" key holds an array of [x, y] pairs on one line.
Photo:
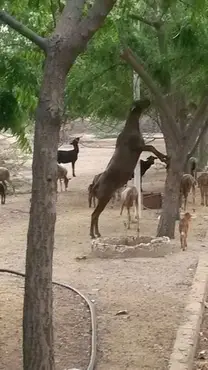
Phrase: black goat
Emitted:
{"points": [[3, 193], [69, 156], [129, 145], [144, 166]]}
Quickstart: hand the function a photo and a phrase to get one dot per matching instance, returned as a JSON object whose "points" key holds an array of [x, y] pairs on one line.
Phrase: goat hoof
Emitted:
{"points": [[98, 235], [92, 236]]}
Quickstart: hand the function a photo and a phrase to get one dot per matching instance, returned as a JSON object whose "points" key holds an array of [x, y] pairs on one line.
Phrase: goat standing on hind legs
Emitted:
{"points": [[129, 145]]}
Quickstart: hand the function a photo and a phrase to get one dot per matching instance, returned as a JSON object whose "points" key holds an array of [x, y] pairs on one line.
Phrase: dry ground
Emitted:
{"points": [[201, 357], [153, 291]]}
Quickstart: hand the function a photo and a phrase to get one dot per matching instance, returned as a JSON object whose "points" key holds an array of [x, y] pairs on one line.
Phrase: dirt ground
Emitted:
{"points": [[152, 290], [201, 357]]}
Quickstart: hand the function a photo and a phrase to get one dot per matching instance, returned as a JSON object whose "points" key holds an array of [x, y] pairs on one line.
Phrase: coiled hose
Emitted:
{"points": [[91, 306]]}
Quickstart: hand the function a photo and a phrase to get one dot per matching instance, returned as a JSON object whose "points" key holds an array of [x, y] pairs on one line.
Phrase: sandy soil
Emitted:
{"points": [[153, 291]]}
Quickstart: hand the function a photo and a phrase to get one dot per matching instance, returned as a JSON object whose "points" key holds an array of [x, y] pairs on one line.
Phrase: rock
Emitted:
{"points": [[81, 258], [122, 312], [202, 355]]}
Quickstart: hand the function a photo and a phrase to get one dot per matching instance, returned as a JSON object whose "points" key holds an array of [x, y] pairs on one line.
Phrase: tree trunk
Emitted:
{"points": [[170, 210], [203, 151], [37, 320]]}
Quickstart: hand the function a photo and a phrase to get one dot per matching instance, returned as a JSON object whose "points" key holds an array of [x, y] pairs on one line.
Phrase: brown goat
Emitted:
{"points": [[188, 182], [129, 145], [129, 198], [203, 186], [92, 195], [183, 230]]}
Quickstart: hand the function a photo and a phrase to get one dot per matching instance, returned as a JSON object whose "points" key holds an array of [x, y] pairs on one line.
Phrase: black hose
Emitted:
{"points": [[91, 306]]}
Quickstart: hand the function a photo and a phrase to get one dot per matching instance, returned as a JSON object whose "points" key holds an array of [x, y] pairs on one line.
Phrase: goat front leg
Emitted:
{"points": [[194, 195], [185, 202], [94, 201], [206, 196], [129, 218], [73, 169], [152, 149], [202, 195]]}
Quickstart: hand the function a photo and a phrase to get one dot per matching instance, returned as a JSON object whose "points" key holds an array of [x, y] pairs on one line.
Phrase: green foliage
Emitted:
{"points": [[100, 83]]}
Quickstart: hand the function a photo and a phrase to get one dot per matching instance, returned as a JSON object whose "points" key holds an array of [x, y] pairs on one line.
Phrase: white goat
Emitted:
{"points": [[5, 177], [62, 174], [129, 198]]}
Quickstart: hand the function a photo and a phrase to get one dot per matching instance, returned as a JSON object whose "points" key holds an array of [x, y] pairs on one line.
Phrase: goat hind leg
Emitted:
{"points": [[95, 216], [11, 184]]}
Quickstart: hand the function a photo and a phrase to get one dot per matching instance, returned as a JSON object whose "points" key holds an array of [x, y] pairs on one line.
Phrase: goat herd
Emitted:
{"points": [[120, 169]]}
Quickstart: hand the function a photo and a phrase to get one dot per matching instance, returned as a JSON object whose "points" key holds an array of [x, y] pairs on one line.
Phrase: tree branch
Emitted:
{"points": [[96, 16], [23, 30], [202, 132], [136, 64], [53, 12], [73, 11], [154, 24], [197, 121], [82, 27]]}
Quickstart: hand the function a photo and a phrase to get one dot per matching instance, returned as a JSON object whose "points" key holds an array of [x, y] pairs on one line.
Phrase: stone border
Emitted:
{"points": [[184, 349]]}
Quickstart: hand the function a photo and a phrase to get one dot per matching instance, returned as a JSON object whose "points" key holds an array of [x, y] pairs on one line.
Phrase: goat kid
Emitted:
{"points": [[69, 156], [129, 145], [129, 198], [203, 186], [62, 174], [188, 182], [3, 193], [183, 229], [5, 177]]}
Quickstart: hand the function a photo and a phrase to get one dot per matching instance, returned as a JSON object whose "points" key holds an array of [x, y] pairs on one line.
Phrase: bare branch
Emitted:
{"points": [[23, 30], [136, 64]]}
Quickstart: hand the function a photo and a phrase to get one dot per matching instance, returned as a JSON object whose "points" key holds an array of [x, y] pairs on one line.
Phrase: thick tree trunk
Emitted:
{"points": [[203, 151], [37, 320], [170, 210]]}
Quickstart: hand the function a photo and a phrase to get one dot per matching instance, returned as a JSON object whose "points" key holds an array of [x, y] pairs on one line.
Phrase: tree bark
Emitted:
{"points": [[37, 321], [67, 42], [170, 210], [203, 150]]}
